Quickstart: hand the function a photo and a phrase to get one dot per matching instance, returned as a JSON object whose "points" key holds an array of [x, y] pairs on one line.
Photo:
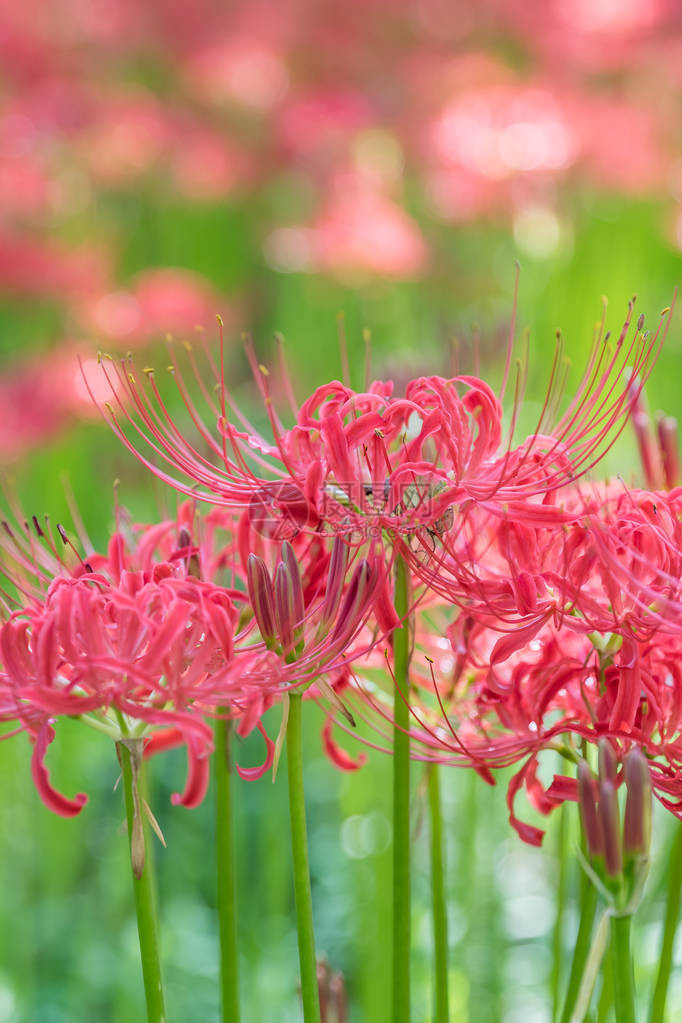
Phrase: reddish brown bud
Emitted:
{"points": [[185, 544], [323, 989], [338, 563], [284, 606], [588, 811], [291, 561], [354, 604], [338, 996], [667, 441], [637, 826], [261, 596], [608, 762], [610, 825]]}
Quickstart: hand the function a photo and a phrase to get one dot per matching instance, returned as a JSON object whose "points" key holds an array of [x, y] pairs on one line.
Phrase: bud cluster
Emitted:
{"points": [[618, 859]]}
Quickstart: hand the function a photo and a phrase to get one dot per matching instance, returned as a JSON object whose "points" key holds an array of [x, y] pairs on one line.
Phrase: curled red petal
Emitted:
{"points": [[165, 738], [338, 756], [527, 832], [252, 773], [52, 799], [198, 773], [563, 789]]}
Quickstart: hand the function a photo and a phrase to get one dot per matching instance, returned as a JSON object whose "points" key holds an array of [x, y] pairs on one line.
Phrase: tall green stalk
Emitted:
{"points": [[130, 758], [623, 978], [557, 949], [588, 908], [224, 838], [672, 912], [401, 802], [438, 904], [606, 994], [299, 845]]}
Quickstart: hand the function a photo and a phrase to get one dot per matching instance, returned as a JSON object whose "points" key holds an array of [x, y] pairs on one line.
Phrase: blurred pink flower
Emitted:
{"points": [[41, 395], [126, 138], [25, 186], [319, 125], [245, 71], [163, 300], [35, 266], [205, 166], [359, 232]]}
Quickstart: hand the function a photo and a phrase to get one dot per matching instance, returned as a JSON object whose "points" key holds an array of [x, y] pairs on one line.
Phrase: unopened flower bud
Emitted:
{"points": [[666, 428], [291, 561], [284, 606], [261, 596], [354, 603], [185, 543], [648, 454], [338, 563], [323, 989], [588, 811], [637, 826], [610, 825], [608, 762], [338, 997]]}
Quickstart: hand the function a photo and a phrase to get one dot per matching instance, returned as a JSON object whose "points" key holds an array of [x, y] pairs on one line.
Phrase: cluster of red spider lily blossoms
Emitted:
{"points": [[546, 610]]}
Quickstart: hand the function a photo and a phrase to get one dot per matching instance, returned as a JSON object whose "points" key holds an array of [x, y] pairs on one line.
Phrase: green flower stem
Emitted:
{"points": [[623, 979], [606, 995], [593, 964], [130, 758], [672, 911], [440, 918], [588, 908], [299, 845], [401, 802], [227, 909], [557, 949]]}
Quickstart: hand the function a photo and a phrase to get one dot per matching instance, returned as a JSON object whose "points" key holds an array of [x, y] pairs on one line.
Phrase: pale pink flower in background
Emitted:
{"points": [[206, 166], [359, 231], [36, 266], [248, 72], [319, 125], [584, 35], [163, 300], [499, 131], [41, 395], [623, 144], [25, 186], [126, 138]]}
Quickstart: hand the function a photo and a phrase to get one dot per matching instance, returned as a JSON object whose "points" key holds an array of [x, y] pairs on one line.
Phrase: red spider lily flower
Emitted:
{"points": [[484, 698], [128, 642], [372, 463], [124, 657]]}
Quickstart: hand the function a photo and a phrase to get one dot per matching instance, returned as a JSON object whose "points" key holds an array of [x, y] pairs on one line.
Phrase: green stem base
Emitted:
{"points": [[624, 982], [401, 803], [439, 909], [672, 912], [130, 759], [225, 873], [299, 844]]}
